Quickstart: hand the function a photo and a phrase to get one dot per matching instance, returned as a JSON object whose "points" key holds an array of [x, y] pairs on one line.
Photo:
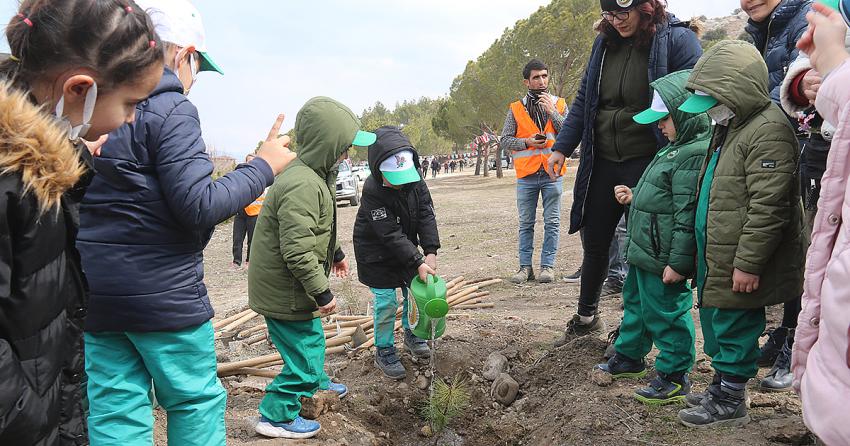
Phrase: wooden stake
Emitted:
{"points": [[230, 366], [475, 306], [337, 341], [248, 332], [229, 319], [468, 298], [231, 326]]}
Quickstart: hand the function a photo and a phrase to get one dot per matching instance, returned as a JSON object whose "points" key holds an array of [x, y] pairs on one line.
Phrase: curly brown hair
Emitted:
{"points": [[652, 13]]}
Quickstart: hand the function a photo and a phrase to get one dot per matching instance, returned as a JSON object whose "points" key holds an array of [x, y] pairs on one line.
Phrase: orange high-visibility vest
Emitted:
{"points": [[254, 208], [531, 160]]}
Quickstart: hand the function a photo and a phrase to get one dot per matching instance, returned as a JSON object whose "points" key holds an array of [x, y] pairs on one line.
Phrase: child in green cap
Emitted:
{"points": [[660, 248], [748, 226], [395, 218], [293, 252]]}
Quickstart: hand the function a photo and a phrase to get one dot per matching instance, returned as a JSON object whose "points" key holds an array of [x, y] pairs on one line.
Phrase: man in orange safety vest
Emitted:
{"points": [[529, 133]]}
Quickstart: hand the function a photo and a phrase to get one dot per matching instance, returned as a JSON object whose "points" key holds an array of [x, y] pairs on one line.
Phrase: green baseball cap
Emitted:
{"points": [[398, 169], [364, 139], [206, 63], [699, 102], [656, 112]]}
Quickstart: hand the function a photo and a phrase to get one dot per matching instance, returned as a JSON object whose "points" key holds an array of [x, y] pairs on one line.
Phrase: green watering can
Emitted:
{"points": [[427, 306]]}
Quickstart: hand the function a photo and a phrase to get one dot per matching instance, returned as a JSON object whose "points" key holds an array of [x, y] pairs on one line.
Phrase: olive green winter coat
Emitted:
{"points": [[754, 212], [661, 216], [295, 238]]}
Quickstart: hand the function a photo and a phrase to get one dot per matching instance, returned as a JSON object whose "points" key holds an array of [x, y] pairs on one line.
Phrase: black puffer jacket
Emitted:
{"points": [[42, 290], [391, 224]]}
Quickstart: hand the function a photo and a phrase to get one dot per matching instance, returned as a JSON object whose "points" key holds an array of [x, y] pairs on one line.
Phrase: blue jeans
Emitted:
{"points": [[528, 191]]}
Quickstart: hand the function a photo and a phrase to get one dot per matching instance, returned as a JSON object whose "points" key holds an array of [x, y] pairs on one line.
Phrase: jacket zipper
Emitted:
{"points": [[767, 36], [655, 239]]}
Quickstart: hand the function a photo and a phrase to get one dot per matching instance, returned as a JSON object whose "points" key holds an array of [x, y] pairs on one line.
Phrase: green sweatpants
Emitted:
{"points": [[657, 313], [182, 366], [386, 306], [732, 340], [302, 347]]}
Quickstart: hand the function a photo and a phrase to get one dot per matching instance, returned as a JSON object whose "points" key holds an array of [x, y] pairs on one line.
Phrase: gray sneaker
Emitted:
{"points": [[524, 274], [722, 407], [417, 347], [547, 275], [386, 359]]}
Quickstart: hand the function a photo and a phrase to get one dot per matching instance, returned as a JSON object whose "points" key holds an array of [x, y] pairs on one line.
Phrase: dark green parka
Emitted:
{"points": [[661, 216]]}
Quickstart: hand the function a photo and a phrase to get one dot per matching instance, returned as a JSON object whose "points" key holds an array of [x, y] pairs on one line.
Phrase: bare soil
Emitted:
{"points": [[557, 404]]}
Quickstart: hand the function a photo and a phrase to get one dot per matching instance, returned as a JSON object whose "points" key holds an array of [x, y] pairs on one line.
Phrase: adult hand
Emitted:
{"points": [[532, 143], [431, 260], [823, 41], [340, 269], [95, 146], [744, 282], [623, 194], [548, 103], [425, 269], [810, 85], [275, 149], [555, 164], [670, 276], [329, 308]]}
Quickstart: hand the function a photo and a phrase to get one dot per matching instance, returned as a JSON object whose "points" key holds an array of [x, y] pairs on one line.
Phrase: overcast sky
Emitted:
{"points": [[277, 54]]}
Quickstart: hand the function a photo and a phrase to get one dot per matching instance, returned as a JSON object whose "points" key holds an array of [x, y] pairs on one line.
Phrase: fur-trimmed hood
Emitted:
{"points": [[34, 147]]}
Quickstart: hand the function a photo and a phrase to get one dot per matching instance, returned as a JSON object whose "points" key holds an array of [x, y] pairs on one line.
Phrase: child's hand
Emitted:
{"points": [[670, 276], [275, 149], [425, 269], [340, 269], [744, 282], [623, 194], [823, 41], [95, 146], [329, 308], [431, 260]]}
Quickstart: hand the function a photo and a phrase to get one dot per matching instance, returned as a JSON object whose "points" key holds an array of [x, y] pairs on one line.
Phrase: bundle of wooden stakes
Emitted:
{"points": [[342, 332]]}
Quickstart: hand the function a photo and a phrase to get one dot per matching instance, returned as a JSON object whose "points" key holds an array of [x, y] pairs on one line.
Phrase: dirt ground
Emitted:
{"points": [[557, 404]]}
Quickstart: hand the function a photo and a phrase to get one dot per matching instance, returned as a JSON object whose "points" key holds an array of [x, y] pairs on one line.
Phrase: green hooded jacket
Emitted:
{"points": [[295, 238], [661, 216], [753, 209]]}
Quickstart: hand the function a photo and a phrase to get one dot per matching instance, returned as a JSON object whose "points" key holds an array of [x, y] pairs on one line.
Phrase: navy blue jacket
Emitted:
{"points": [[149, 213], [675, 47], [777, 38]]}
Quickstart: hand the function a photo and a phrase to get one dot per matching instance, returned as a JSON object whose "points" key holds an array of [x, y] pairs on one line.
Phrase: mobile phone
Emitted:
{"points": [[540, 137]]}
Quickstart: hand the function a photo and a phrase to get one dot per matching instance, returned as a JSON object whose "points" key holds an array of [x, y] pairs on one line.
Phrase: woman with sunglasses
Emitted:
{"points": [[638, 43]]}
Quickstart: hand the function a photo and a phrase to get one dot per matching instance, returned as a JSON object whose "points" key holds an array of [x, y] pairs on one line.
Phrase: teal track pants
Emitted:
{"points": [[386, 306], [302, 347], [182, 366], [654, 312]]}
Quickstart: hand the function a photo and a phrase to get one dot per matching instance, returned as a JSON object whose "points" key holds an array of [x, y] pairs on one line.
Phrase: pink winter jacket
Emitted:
{"points": [[821, 361]]}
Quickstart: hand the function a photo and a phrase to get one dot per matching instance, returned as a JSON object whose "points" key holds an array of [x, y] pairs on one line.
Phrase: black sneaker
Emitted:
{"points": [[575, 328], [612, 339], [770, 350], [574, 277], [417, 347], [664, 389], [611, 288], [723, 407], [386, 359], [622, 367], [780, 378]]}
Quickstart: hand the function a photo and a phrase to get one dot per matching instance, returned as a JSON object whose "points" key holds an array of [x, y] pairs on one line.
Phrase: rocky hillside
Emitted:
{"points": [[729, 27]]}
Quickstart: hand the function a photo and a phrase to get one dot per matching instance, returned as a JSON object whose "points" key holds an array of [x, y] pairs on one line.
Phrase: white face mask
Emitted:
{"points": [[192, 69], [721, 114], [77, 132]]}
